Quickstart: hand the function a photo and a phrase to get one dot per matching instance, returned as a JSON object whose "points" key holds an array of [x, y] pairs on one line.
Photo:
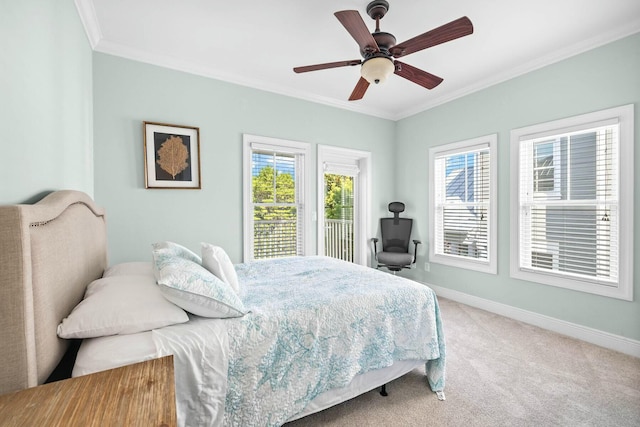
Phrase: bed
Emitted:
{"points": [[288, 354]]}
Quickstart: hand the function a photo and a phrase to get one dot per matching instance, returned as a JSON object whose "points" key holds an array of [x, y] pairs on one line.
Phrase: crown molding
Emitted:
{"points": [[91, 25], [89, 21], [177, 64], [535, 64]]}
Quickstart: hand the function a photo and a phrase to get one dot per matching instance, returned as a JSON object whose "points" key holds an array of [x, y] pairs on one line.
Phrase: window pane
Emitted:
{"points": [[275, 231], [263, 176], [543, 168], [465, 231], [339, 238], [574, 235], [582, 166], [338, 200], [285, 178], [273, 178]]}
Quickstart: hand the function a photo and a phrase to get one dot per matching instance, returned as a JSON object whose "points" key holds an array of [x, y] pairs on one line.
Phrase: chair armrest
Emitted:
{"points": [[415, 250], [375, 248]]}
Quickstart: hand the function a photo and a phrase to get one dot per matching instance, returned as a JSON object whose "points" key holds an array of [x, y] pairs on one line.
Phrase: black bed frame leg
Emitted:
{"points": [[383, 390]]}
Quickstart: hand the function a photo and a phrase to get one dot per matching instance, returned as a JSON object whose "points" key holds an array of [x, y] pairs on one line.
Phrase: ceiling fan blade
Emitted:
{"points": [[416, 75], [327, 65], [455, 29], [352, 21], [359, 90]]}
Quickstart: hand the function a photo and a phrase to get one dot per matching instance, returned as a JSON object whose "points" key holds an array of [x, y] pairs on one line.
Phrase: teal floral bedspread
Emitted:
{"points": [[313, 324]]}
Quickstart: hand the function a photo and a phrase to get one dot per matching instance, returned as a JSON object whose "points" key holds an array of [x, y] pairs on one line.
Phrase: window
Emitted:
{"points": [[275, 207], [572, 208], [463, 200]]}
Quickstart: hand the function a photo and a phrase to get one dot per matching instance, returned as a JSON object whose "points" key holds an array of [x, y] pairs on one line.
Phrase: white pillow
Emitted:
{"points": [[216, 260], [120, 305], [176, 250], [192, 287], [102, 353], [129, 269]]}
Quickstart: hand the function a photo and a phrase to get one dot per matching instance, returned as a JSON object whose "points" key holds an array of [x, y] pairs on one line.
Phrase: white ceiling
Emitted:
{"points": [[257, 43]]}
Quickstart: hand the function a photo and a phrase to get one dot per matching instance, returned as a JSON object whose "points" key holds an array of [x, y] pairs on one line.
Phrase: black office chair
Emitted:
{"points": [[395, 233]]}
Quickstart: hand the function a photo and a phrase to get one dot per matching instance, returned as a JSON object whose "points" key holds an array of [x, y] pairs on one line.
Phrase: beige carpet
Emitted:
{"points": [[501, 372]]}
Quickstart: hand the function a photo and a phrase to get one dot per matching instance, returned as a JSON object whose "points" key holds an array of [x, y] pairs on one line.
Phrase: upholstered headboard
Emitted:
{"points": [[49, 252]]}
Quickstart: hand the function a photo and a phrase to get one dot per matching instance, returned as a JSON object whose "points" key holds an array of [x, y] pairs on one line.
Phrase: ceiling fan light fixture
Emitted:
{"points": [[376, 70]]}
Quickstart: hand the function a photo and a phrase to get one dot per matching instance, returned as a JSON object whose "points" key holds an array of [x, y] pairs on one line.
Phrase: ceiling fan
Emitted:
{"points": [[379, 48]]}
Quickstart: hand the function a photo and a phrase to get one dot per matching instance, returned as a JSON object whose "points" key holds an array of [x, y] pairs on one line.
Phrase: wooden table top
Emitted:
{"points": [[142, 394]]}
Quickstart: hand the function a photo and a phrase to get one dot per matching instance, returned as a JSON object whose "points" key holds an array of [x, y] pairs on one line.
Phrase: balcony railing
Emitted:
{"points": [[338, 239], [277, 238]]}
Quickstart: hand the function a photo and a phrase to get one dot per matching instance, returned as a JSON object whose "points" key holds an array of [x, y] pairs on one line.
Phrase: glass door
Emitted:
{"points": [[344, 204], [339, 216]]}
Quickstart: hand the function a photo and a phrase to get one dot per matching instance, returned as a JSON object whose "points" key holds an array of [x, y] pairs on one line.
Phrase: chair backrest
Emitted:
{"points": [[396, 231]]}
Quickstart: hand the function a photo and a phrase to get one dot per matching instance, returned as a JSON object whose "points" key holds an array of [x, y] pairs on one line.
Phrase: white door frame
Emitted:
{"points": [[362, 187]]}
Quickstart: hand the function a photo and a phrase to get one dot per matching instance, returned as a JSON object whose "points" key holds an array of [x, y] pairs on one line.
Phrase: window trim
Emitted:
{"points": [[255, 142], [623, 115], [490, 265]]}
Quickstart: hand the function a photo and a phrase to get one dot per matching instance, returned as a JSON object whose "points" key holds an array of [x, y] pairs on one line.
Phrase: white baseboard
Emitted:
{"points": [[593, 336]]}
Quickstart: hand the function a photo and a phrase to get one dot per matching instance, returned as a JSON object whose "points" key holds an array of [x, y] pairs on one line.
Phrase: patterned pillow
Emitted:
{"points": [[175, 250], [192, 287], [216, 260]]}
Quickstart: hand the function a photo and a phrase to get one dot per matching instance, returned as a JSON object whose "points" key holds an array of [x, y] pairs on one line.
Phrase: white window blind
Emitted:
{"points": [[341, 169], [572, 203], [463, 204], [569, 222]]}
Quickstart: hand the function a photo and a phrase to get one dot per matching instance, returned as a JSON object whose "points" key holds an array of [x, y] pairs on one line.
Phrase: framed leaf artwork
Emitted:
{"points": [[171, 156]]}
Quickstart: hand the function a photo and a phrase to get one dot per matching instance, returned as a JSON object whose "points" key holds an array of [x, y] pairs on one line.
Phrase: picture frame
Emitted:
{"points": [[171, 156]]}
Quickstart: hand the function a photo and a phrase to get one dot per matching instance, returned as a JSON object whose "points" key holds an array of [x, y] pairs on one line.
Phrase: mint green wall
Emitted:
{"points": [[602, 78], [126, 93], [45, 100], [59, 131]]}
